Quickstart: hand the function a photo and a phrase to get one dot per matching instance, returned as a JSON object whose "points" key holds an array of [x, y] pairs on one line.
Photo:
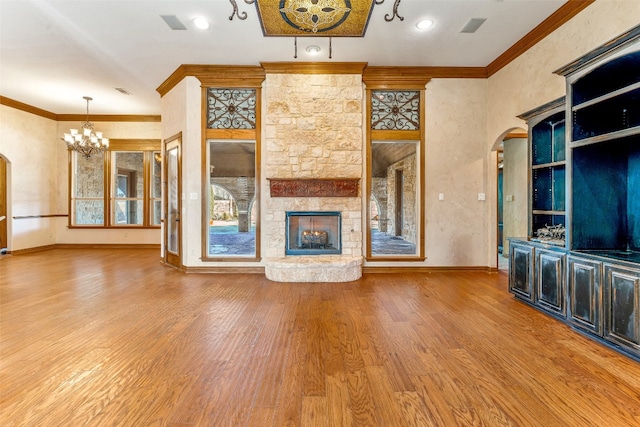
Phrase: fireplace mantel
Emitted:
{"points": [[314, 187]]}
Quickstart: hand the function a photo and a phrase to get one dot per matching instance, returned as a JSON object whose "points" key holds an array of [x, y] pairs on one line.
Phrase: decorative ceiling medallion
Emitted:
{"points": [[315, 15], [327, 18]]}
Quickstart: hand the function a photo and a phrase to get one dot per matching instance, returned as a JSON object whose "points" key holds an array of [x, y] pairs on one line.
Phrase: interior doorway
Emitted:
{"points": [[512, 191], [173, 202]]}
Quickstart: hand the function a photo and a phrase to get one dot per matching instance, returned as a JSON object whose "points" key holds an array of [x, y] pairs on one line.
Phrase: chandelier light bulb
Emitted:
{"points": [[86, 142]]}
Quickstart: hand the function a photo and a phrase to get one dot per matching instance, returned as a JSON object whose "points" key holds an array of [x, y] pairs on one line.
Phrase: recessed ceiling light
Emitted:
{"points": [[201, 23], [313, 49], [424, 24]]}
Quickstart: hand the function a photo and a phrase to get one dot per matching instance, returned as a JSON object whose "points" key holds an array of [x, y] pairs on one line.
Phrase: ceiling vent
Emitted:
{"points": [[473, 25], [173, 22], [123, 91]]}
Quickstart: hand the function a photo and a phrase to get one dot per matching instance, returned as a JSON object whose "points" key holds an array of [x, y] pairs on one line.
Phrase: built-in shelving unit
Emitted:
{"points": [[547, 155], [585, 173]]}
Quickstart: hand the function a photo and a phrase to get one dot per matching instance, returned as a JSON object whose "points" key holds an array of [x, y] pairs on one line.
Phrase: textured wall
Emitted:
{"points": [[456, 118], [515, 184]]}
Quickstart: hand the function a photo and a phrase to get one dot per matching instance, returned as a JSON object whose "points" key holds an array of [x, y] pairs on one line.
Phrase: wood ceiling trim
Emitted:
{"points": [[76, 117], [27, 108], [313, 67], [231, 76], [415, 77], [567, 11]]}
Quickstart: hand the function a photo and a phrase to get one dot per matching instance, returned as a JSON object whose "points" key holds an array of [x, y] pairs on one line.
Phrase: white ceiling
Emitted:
{"points": [[54, 52]]}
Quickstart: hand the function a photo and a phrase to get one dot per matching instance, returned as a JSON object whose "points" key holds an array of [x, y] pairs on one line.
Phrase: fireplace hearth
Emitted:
{"points": [[313, 233]]}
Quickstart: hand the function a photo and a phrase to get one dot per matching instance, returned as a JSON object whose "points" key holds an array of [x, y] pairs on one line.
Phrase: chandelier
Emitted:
{"points": [[86, 141]]}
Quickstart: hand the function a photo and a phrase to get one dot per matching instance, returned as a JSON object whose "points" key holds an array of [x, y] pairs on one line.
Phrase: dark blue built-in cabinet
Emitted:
{"points": [[585, 180]]}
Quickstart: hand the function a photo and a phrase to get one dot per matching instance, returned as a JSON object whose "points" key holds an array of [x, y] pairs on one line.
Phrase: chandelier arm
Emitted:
{"points": [[379, 1], [389, 17], [241, 15], [86, 142]]}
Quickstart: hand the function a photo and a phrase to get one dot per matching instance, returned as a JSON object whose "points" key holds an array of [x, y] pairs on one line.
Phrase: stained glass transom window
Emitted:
{"points": [[231, 108], [395, 110]]}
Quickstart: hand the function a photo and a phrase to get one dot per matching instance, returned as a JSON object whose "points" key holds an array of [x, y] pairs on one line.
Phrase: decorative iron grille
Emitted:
{"points": [[395, 110], [231, 108]]}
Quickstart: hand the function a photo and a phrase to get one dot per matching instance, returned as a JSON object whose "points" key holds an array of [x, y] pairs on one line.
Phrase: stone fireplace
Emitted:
{"points": [[313, 162], [313, 233]]}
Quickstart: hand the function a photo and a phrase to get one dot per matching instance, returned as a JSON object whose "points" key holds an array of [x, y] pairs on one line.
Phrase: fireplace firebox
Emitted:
{"points": [[314, 233]]}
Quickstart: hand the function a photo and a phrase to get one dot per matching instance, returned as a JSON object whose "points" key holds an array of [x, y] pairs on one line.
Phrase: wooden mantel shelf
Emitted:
{"points": [[314, 187]]}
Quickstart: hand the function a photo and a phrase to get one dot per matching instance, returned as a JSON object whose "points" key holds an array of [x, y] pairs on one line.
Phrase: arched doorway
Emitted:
{"points": [[512, 191]]}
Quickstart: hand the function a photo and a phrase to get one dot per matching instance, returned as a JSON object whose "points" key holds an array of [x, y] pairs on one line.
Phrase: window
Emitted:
{"points": [[394, 178], [120, 188], [230, 181]]}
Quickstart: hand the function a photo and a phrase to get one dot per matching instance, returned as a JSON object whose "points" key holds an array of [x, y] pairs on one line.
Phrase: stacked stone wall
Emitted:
{"points": [[313, 127]]}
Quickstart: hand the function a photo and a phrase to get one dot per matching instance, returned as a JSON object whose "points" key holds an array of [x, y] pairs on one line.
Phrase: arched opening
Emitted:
{"points": [[511, 219]]}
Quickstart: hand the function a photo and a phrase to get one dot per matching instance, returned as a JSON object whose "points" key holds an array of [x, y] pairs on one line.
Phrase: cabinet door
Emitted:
{"points": [[521, 271], [584, 305], [550, 281], [622, 320]]}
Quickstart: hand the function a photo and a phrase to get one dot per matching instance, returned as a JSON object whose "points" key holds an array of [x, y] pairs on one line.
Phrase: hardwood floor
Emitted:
{"points": [[114, 338]]}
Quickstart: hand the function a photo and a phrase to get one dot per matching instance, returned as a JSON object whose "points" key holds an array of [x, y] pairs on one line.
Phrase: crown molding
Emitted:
{"points": [[215, 75], [75, 117], [27, 108], [313, 67], [567, 11]]}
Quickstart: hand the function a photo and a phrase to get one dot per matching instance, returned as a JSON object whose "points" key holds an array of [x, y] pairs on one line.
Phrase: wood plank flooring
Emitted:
{"points": [[114, 338]]}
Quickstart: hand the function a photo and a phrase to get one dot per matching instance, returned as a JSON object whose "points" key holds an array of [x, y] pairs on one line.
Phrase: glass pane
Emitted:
{"points": [[89, 176], [129, 174], [157, 212], [172, 201], [395, 110], [156, 176], [394, 214], [231, 199], [128, 212], [89, 212], [231, 108]]}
